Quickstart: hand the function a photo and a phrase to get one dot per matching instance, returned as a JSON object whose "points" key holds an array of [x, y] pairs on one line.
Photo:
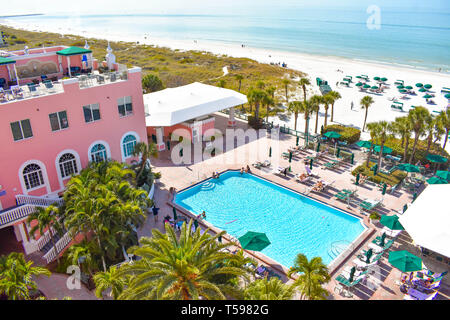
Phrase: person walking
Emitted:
{"points": [[351, 106], [155, 213]]}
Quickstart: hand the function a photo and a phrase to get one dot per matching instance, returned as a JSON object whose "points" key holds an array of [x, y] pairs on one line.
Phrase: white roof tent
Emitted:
{"points": [[427, 220], [171, 106]]}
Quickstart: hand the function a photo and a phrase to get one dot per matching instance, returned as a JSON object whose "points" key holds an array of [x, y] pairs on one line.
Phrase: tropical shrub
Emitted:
{"points": [[255, 123], [394, 178], [152, 83], [348, 134]]}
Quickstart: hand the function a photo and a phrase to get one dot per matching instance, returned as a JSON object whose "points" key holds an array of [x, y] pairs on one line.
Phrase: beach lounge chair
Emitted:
{"points": [[399, 82], [391, 233], [285, 154], [257, 164], [369, 204], [363, 265], [379, 249], [309, 172], [299, 178], [445, 90], [279, 170], [266, 163], [347, 284]]}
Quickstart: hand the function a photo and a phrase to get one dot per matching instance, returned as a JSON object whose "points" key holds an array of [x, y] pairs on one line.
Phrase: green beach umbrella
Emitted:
{"points": [[383, 238], [443, 174], [408, 167], [364, 144], [437, 180], [297, 140], [311, 164], [428, 96], [338, 153], [174, 213], [357, 178], [332, 134], [403, 91], [383, 192], [352, 159], [405, 207], [318, 147], [409, 87], [400, 87], [374, 87], [414, 197], [359, 77], [391, 222], [352, 274], [369, 254], [384, 79], [419, 85], [181, 152], [447, 96], [290, 157], [375, 169], [422, 90], [359, 84], [270, 152], [428, 86], [386, 150], [376, 78], [436, 158], [405, 261], [254, 241], [366, 86]]}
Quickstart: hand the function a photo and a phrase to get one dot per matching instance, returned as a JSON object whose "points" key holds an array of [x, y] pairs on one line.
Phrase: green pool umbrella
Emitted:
{"points": [[352, 274], [181, 152], [375, 169], [428, 86], [318, 147], [403, 91], [338, 152], [174, 213], [332, 134], [447, 96], [386, 150], [196, 224], [408, 167], [359, 77], [436, 158], [384, 79], [405, 261], [352, 159], [428, 96], [400, 87], [374, 87], [369, 254], [311, 164], [359, 84], [364, 144], [422, 90], [414, 197], [409, 87], [437, 180], [290, 157], [297, 140], [270, 152], [405, 207], [255, 241], [383, 238], [443, 174], [419, 85], [391, 222], [366, 86], [376, 78], [357, 178], [383, 192]]}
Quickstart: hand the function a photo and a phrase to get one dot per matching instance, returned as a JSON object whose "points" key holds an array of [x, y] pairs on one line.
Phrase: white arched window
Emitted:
{"points": [[98, 153], [128, 145], [32, 176], [68, 165]]}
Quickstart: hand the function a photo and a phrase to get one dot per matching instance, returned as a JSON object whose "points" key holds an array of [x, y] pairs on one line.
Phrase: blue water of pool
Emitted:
{"points": [[293, 223]]}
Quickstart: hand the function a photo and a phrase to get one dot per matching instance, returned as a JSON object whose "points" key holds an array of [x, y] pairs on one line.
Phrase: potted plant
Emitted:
{"points": [[157, 176], [374, 217]]}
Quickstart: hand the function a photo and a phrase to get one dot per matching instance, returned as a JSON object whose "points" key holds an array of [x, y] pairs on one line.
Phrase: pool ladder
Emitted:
{"points": [[337, 247], [208, 185]]}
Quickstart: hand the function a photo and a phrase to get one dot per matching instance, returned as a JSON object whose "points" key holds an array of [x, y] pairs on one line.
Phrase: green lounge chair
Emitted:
{"points": [[344, 281], [285, 154], [342, 196], [369, 205]]}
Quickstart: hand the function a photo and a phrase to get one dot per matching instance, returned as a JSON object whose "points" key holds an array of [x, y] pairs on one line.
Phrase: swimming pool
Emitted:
{"points": [[294, 223]]}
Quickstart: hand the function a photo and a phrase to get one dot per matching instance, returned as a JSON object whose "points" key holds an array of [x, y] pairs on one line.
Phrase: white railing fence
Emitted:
{"points": [[60, 245], [16, 213], [38, 201]]}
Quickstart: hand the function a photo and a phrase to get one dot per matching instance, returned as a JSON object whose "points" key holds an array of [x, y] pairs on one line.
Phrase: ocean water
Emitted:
{"points": [[411, 36], [293, 223]]}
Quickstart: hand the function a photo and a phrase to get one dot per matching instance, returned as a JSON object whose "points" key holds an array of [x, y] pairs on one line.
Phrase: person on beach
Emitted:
{"points": [[351, 106], [155, 213], [248, 170]]}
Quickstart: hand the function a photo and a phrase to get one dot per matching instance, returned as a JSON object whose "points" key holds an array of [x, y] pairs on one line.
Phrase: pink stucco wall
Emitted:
{"points": [[168, 130], [45, 145]]}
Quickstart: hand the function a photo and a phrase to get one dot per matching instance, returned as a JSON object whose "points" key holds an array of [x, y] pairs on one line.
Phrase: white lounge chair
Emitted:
{"points": [[278, 170], [298, 178], [391, 233]]}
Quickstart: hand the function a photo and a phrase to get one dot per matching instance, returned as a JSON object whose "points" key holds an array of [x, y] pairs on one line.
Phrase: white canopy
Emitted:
{"points": [[175, 105], [427, 220]]}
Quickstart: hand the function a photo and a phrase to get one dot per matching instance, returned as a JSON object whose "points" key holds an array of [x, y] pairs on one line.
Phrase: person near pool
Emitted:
{"points": [[248, 170], [202, 215], [242, 170], [155, 212]]}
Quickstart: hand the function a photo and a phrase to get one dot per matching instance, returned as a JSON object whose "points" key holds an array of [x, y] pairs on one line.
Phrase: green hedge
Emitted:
{"points": [[348, 134], [394, 178]]}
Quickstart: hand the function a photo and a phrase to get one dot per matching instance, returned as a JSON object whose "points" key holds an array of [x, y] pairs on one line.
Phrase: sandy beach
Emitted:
{"points": [[330, 68]]}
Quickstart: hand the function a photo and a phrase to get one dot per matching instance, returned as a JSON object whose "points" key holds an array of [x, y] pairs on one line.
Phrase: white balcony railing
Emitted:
{"points": [[60, 245], [38, 201]]}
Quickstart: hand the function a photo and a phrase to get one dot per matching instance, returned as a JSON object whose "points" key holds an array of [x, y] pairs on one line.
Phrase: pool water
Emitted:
{"points": [[293, 223]]}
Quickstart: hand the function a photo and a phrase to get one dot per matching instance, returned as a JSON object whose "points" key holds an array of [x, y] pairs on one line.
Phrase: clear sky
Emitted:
{"points": [[203, 6]]}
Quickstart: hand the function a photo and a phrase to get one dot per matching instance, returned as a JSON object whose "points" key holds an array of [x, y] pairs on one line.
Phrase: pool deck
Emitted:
{"points": [[380, 285]]}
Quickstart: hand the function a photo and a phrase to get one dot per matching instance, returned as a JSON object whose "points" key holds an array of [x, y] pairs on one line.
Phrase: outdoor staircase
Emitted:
{"points": [[207, 186], [337, 247]]}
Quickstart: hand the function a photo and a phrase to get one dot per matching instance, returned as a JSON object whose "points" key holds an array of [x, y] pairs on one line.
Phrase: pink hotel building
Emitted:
{"points": [[57, 113]]}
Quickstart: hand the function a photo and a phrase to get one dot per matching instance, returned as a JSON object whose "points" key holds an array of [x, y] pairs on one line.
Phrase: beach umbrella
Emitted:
{"points": [[374, 87], [311, 164], [376, 78], [174, 213], [375, 169], [414, 197], [318, 147], [428, 86], [270, 152], [403, 91], [369, 254], [437, 180], [409, 87], [383, 192], [443, 174], [384, 79], [297, 140], [255, 241], [332, 134], [364, 144], [290, 160], [352, 274], [357, 178], [436, 158], [405, 261], [405, 207], [408, 167], [359, 77], [352, 159], [359, 84], [366, 86], [338, 152], [391, 222], [400, 87], [386, 150], [181, 152], [428, 96], [419, 85], [422, 90], [383, 238], [447, 96]]}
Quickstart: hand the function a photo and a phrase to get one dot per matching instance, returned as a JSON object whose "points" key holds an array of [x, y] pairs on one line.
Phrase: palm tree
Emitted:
{"points": [[260, 84], [146, 151], [417, 117], [295, 107], [82, 253], [303, 82], [334, 97], [402, 126], [444, 118], [308, 107], [180, 267], [317, 101], [239, 78], [312, 274], [16, 276], [286, 83], [327, 100], [264, 289], [374, 131], [109, 280], [46, 218], [433, 129], [221, 83], [256, 97], [366, 102], [382, 129], [269, 101]]}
